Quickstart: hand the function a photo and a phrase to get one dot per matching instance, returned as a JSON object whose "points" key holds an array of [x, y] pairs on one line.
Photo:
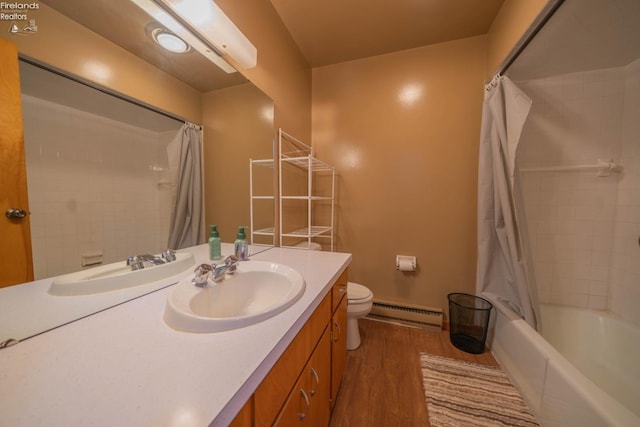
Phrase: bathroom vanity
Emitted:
{"points": [[125, 366]]}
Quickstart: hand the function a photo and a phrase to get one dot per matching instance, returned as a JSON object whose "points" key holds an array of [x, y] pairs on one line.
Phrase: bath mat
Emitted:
{"points": [[461, 393]]}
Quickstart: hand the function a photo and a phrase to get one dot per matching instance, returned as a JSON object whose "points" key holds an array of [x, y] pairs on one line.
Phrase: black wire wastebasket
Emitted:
{"points": [[468, 322]]}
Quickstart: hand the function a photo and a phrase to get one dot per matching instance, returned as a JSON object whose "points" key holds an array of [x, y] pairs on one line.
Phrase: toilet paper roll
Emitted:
{"points": [[405, 265]]}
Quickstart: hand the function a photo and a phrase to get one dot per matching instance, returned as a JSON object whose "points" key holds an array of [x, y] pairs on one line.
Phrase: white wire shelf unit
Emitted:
{"points": [[260, 236], [295, 154]]}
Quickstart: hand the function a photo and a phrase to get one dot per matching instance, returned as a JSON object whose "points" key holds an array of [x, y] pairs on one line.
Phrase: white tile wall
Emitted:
{"points": [[584, 229], [92, 186]]}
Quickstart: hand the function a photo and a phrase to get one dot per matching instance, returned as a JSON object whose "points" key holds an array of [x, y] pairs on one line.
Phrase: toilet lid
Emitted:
{"points": [[356, 291]]}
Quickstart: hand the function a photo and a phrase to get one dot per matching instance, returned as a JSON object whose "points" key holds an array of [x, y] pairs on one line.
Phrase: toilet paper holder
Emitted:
{"points": [[406, 263]]}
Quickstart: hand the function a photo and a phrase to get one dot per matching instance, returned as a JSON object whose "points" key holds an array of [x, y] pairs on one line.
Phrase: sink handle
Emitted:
{"points": [[203, 272], [169, 255]]}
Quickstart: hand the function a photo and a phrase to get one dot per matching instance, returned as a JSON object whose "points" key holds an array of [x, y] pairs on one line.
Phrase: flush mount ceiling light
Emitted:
{"points": [[204, 26], [169, 41]]}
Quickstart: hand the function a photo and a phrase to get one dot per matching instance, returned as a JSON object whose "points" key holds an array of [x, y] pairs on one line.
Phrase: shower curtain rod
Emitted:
{"points": [[603, 167], [103, 89], [545, 14]]}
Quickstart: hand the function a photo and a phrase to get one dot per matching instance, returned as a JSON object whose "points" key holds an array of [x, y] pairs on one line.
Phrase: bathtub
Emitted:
{"points": [[551, 382]]}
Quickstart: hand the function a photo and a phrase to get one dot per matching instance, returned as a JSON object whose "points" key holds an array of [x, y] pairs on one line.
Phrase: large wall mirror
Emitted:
{"points": [[97, 163]]}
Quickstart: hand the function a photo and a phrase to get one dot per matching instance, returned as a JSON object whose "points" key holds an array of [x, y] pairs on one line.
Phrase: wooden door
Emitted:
{"points": [[16, 264]]}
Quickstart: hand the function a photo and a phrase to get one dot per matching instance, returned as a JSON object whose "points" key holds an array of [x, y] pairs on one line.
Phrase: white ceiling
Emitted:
{"points": [[332, 31]]}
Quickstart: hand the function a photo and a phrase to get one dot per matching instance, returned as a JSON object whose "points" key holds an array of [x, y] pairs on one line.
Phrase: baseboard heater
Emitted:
{"points": [[413, 315]]}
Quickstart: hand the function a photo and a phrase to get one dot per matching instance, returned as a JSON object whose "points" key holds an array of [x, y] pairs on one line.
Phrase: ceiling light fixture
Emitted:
{"points": [[169, 41], [204, 26]]}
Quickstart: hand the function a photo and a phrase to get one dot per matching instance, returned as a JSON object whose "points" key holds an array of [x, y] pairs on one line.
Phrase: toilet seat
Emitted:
{"points": [[356, 293]]}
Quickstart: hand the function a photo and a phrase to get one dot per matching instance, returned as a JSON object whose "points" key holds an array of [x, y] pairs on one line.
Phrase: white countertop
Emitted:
{"points": [[125, 367], [28, 309]]}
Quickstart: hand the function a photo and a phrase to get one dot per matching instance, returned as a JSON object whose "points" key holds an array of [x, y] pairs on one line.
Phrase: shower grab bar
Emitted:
{"points": [[604, 168]]}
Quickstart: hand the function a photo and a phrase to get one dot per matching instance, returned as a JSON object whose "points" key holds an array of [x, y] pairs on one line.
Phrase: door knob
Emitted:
{"points": [[13, 213]]}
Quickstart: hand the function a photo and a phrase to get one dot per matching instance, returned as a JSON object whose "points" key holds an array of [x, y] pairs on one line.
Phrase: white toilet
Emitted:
{"points": [[359, 303]]}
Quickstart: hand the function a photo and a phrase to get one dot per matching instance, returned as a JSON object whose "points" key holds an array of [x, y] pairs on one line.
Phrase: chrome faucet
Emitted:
{"points": [[216, 272], [138, 262], [229, 267], [135, 263]]}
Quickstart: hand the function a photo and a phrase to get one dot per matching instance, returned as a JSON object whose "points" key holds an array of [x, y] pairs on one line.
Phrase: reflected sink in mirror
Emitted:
{"points": [[257, 291], [118, 276]]}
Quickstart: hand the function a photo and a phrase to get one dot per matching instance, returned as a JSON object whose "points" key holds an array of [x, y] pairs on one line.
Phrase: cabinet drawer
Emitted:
{"points": [[339, 290]]}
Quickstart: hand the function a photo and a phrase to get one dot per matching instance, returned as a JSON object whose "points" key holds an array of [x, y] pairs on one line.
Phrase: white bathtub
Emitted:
{"points": [[557, 392]]}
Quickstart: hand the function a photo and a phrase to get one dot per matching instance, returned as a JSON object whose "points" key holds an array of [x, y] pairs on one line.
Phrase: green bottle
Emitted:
{"points": [[240, 248], [215, 252]]}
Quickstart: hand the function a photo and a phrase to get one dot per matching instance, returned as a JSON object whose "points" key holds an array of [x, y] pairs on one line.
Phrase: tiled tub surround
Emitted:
{"points": [[583, 231], [125, 366], [583, 228], [93, 186]]}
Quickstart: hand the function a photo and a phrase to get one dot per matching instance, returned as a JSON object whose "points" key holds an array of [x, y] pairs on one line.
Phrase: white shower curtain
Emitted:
{"points": [[185, 168], [502, 239]]}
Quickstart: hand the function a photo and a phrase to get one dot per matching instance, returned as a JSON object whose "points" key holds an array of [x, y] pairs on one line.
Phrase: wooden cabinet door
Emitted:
{"points": [[338, 347], [319, 375], [296, 410], [16, 264], [308, 403]]}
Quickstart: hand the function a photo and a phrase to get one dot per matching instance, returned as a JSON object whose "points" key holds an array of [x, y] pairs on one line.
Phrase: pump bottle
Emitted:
{"points": [[240, 248], [215, 253]]}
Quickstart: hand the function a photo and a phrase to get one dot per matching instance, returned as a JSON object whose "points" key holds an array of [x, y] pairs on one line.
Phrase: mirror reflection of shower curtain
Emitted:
{"points": [[185, 169], [504, 262]]}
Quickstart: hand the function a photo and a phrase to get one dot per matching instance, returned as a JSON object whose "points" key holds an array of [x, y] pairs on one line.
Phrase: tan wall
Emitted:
{"points": [[282, 72], [236, 129], [512, 21], [408, 171], [64, 44]]}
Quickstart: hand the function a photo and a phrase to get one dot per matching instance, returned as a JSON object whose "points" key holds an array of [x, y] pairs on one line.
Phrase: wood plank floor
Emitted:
{"points": [[382, 385]]}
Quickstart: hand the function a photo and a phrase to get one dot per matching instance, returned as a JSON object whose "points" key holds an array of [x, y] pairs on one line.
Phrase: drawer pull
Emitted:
{"points": [[337, 337], [314, 374], [342, 288], [303, 415]]}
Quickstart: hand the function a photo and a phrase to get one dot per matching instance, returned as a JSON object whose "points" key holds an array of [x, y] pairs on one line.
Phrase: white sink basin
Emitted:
{"points": [[257, 291], [118, 276]]}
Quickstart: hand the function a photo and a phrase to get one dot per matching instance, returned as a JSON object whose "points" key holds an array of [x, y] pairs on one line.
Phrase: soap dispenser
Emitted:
{"points": [[215, 252], [241, 250]]}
